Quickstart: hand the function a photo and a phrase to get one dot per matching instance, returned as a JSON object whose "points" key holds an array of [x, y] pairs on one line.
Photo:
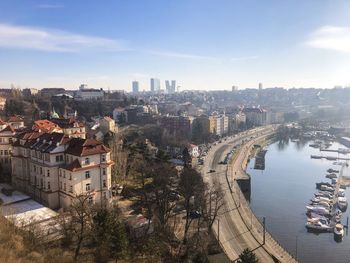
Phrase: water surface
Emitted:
{"points": [[281, 192]]}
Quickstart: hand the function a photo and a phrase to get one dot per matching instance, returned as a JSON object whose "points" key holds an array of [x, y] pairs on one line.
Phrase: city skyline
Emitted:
{"points": [[203, 45]]}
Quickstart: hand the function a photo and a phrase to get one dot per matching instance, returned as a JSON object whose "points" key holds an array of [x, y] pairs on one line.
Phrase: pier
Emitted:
{"points": [[330, 158], [340, 150]]}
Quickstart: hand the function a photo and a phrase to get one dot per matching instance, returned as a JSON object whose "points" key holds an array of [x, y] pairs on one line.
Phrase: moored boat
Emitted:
{"points": [[342, 203], [318, 227]]}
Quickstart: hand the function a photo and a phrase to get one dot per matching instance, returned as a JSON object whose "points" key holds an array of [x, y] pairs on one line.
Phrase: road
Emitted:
{"points": [[234, 233]]}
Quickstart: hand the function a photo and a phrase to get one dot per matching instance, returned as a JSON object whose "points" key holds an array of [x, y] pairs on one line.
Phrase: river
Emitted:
{"points": [[281, 192]]}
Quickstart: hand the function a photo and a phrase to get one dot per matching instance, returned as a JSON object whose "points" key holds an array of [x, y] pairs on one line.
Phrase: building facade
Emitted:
{"points": [[53, 168]]}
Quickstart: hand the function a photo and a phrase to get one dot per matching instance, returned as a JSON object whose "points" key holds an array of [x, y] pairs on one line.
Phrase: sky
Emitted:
{"points": [[202, 44]]}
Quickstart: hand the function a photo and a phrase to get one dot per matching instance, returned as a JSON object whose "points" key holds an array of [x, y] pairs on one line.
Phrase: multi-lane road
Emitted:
{"points": [[231, 229]]}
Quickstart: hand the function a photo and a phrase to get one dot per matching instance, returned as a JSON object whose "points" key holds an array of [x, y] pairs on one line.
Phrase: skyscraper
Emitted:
{"points": [[170, 86], [260, 86], [155, 85], [135, 86]]}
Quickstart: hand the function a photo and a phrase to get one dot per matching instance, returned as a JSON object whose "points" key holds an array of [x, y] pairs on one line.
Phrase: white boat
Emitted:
{"points": [[338, 232], [323, 220], [318, 209], [321, 198], [318, 227], [327, 188], [322, 203], [324, 194], [312, 215], [342, 203]]}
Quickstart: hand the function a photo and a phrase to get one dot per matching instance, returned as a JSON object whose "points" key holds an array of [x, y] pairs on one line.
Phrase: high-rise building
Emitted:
{"points": [[155, 85], [170, 86], [135, 86], [260, 86]]}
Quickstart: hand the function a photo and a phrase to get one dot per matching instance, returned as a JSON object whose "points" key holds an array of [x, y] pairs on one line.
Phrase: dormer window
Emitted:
{"points": [[103, 157]]}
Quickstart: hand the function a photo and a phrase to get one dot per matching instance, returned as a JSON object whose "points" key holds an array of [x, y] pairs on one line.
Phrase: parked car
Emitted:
{"points": [[195, 214]]}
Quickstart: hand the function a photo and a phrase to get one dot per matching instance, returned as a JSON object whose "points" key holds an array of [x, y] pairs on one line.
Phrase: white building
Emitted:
{"points": [[221, 125], [85, 93], [135, 86], [53, 168]]}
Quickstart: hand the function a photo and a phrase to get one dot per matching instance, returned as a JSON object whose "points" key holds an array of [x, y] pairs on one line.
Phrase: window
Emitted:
{"points": [[47, 157], [70, 176], [87, 174], [10, 140], [64, 187], [87, 161], [59, 158], [103, 157], [91, 200], [104, 183], [103, 171], [5, 152], [34, 167], [41, 170], [87, 187], [71, 189], [41, 183], [48, 173], [48, 186], [64, 174], [1, 152]]}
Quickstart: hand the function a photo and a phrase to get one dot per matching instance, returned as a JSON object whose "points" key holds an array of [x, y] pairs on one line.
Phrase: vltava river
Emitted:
{"points": [[281, 192]]}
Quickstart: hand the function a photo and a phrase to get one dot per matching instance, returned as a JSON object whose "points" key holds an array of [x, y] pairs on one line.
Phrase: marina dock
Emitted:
{"points": [[330, 158]]}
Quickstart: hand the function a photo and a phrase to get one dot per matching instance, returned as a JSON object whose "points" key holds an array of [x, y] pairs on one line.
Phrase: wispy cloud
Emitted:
{"points": [[179, 55], [244, 58], [22, 37], [330, 37], [50, 6]]}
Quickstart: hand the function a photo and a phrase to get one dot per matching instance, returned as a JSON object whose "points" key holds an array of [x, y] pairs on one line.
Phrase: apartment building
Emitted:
{"points": [[54, 168], [68, 126], [7, 134]]}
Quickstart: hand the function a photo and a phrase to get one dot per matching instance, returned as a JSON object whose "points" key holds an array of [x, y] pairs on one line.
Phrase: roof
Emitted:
{"points": [[8, 129], [73, 166], [2, 122], [49, 141], [15, 118], [67, 123], [85, 147], [256, 110], [45, 126]]}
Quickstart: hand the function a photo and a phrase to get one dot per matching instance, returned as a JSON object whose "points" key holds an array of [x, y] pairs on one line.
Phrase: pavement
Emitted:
{"points": [[233, 232]]}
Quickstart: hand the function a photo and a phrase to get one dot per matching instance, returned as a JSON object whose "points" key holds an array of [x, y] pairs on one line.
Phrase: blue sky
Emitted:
{"points": [[202, 44]]}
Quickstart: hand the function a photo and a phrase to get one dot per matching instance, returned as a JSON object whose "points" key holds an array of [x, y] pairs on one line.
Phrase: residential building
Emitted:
{"points": [[107, 124], [212, 124], [221, 125], [49, 92], [53, 168], [46, 126], [176, 125], [255, 116], [193, 150], [119, 115], [7, 134], [2, 103], [71, 127]]}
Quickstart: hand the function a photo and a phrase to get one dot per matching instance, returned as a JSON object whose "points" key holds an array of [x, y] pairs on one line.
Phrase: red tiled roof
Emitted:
{"points": [[15, 118], [2, 122], [45, 126], [81, 147], [73, 166], [67, 123]]}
